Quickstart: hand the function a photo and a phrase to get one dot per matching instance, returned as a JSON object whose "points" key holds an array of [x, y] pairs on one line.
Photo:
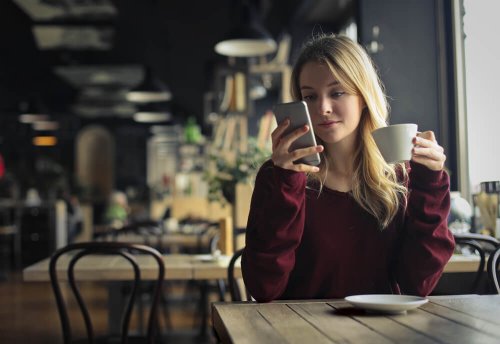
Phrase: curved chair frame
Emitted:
{"points": [[147, 229], [478, 237], [221, 285], [124, 250], [475, 241], [493, 273], [234, 290]]}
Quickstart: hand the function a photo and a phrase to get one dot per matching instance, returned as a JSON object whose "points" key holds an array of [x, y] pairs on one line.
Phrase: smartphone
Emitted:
{"points": [[298, 114]]}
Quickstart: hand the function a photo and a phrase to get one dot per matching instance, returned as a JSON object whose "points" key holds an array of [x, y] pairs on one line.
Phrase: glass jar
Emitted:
{"points": [[488, 203], [459, 220]]}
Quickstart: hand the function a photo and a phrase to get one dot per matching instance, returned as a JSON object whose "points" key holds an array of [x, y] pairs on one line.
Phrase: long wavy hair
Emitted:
{"points": [[378, 187]]}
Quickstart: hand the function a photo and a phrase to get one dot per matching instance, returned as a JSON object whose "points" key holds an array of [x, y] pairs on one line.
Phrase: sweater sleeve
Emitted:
{"points": [[274, 231], [427, 243]]}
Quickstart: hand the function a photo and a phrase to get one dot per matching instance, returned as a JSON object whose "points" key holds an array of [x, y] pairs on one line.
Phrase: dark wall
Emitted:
{"points": [[408, 61], [414, 64], [178, 44]]}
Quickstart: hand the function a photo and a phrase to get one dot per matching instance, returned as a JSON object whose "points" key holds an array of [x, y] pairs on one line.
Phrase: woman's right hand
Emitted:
{"points": [[282, 157]]}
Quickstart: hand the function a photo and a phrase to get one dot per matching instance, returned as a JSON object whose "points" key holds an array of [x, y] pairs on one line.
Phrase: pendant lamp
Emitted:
{"points": [[149, 90], [152, 113], [249, 37], [32, 110]]}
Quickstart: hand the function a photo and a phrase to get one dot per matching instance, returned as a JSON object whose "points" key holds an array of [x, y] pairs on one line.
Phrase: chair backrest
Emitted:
{"points": [[485, 239], [234, 286], [493, 273], [147, 232], [483, 245], [125, 250]]}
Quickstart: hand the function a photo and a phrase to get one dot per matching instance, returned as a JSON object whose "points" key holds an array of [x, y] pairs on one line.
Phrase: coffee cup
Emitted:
{"points": [[395, 142]]}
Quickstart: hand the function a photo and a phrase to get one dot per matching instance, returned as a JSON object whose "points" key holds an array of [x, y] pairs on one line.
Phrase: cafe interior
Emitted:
{"points": [[144, 122]]}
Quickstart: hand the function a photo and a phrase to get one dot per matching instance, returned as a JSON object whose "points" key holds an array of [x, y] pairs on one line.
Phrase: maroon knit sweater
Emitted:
{"points": [[303, 246]]}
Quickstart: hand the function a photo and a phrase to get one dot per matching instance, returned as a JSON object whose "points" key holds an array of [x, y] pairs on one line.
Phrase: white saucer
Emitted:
{"points": [[207, 258], [386, 302]]}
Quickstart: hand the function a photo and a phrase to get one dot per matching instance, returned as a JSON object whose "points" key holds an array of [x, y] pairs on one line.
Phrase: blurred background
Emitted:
{"points": [[74, 63], [114, 112]]}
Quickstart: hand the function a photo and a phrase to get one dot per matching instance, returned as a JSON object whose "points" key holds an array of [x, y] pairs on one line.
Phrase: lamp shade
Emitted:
{"points": [[152, 117], [152, 113], [247, 39], [32, 111], [149, 90], [45, 125]]}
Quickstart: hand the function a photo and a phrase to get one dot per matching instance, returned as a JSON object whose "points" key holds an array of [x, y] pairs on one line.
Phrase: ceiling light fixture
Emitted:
{"points": [[149, 90], [249, 38], [152, 113], [45, 125], [44, 141], [152, 117], [30, 118], [32, 111]]}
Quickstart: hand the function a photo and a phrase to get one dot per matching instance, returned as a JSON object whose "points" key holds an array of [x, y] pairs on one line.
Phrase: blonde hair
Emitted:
{"points": [[375, 185]]}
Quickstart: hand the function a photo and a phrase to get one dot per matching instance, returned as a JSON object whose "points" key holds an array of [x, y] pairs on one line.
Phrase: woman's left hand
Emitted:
{"points": [[428, 152]]}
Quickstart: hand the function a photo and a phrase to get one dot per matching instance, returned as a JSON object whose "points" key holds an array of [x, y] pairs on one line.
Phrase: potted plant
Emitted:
{"points": [[225, 171]]}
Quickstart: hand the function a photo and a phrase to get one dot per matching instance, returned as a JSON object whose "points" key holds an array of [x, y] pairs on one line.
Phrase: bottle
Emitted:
{"points": [[459, 220], [489, 204], [476, 224]]}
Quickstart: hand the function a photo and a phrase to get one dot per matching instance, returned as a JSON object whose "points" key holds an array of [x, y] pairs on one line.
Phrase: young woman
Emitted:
{"points": [[354, 224]]}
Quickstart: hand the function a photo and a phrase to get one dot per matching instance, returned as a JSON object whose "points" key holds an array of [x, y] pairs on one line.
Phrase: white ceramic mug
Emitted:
{"points": [[395, 142]]}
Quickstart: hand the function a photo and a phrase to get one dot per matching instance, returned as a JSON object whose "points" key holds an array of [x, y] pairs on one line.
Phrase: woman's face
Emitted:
{"points": [[335, 114]]}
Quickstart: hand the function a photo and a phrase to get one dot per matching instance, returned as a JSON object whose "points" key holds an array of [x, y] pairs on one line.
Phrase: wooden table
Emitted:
{"points": [[463, 263], [116, 269], [111, 268], [445, 319], [178, 267], [174, 241]]}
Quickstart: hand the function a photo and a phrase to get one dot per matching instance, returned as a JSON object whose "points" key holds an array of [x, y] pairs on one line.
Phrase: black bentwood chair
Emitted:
{"points": [[149, 233], [483, 245], [493, 273], [125, 250]]}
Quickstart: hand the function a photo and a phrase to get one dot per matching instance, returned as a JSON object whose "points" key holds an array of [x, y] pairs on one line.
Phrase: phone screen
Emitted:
{"points": [[298, 114]]}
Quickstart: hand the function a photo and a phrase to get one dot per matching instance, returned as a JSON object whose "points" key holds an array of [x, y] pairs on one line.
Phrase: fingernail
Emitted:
{"points": [[315, 169]]}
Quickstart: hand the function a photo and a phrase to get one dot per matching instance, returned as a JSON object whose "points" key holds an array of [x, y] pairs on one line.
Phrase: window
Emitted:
{"points": [[482, 73]]}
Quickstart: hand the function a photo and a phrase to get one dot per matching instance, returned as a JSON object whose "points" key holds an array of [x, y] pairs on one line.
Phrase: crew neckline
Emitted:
{"points": [[330, 191], [326, 188]]}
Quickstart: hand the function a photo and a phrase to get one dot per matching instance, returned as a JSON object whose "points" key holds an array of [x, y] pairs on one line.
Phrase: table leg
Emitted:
{"points": [[116, 302], [204, 308]]}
